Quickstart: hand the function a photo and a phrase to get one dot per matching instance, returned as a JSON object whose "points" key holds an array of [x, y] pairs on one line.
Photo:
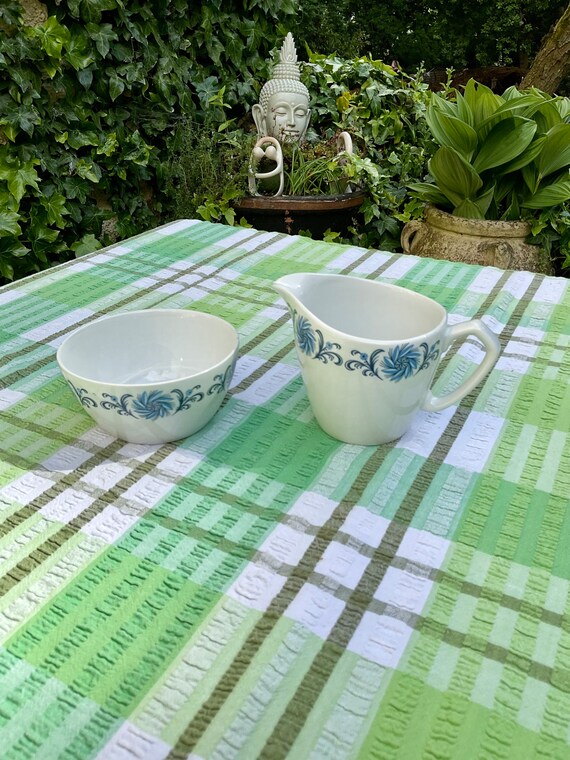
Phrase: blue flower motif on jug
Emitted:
{"points": [[398, 363], [311, 342], [304, 334], [395, 364], [401, 362]]}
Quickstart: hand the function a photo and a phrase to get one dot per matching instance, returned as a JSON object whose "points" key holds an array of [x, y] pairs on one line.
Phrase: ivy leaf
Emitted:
{"points": [[116, 85], [102, 35], [9, 223], [88, 170], [19, 176], [52, 36], [91, 9], [78, 139], [85, 77], [110, 145], [78, 51], [87, 244], [55, 206]]}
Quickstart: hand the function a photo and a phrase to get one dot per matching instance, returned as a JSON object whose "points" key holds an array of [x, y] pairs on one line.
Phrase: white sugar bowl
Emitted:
{"points": [[151, 376]]}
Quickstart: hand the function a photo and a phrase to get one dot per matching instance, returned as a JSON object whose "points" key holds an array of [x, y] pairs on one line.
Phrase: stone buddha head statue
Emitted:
{"points": [[283, 109]]}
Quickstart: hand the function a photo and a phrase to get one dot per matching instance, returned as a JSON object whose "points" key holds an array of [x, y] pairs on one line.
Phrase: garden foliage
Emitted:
{"points": [[89, 100], [383, 109]]}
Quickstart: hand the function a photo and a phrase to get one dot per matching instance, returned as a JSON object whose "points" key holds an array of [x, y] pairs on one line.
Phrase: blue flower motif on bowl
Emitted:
{"points": [[156, 404], [153, 405]]}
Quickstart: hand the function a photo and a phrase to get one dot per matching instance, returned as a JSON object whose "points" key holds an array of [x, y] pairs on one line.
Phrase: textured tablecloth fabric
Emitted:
{"points": [[261, 589]]}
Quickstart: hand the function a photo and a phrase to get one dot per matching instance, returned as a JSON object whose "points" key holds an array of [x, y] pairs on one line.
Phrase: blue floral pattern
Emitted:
{"points": [[395, 364], [154, 405], [312, 343]]}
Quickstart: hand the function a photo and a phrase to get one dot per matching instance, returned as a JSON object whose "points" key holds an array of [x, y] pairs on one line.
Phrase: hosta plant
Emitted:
{"points": [[500, 156]]}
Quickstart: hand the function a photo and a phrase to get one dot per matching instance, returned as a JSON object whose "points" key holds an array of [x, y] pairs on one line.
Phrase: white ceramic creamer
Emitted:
{"points": [[369, 352]]}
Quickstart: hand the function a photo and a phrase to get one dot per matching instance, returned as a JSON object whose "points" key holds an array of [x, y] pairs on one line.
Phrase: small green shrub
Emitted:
{"points": [[384, 111]]}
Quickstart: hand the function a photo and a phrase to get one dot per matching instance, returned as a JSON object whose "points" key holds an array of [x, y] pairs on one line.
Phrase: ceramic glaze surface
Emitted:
{"points": [[369, 352], [151, 376]]}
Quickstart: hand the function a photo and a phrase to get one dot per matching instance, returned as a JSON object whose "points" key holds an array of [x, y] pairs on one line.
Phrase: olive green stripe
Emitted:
{"points": [[286, 730], [271, 616], [320, 670], [58, 539], [9, 379], [314, 681]]}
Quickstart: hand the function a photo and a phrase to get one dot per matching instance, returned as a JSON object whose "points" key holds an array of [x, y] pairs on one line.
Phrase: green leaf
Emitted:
{"points": [[506, 140], [464, 111], [481, 100], [555, 152], [19, 179], [52, 36], [87, 244], [468, 209], [454, 176], [550, 195], [452, 132], [78, 51], [102, 35], [525, 158], [9, 223], [116, 85], [428, 192], [484, 200], [88, 170], [78, 139], [55, 205], [547, 116]]}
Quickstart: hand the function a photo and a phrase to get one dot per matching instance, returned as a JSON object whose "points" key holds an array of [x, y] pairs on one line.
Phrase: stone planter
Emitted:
{"points": [[293, 213], [474, 241]]}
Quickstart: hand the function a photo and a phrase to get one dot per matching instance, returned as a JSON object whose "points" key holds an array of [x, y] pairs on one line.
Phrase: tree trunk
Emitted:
{"points": [[552, 62]]}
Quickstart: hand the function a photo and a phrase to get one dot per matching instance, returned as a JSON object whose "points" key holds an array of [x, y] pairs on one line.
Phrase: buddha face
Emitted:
{"points": [[287, 116]]}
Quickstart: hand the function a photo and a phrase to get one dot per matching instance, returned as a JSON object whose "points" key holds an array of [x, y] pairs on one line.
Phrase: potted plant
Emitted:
{"points": [[319, 191], [501, 173]]}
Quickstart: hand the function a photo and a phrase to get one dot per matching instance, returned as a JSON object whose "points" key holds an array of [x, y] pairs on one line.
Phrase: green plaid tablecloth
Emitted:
{"points": [[260, 589]]}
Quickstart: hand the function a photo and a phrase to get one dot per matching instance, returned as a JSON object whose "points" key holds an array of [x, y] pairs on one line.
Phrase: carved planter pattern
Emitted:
{"points": [[474, 241]]}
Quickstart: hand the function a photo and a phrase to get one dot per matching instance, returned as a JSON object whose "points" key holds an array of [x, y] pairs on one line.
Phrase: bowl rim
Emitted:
{"points": [[230, 356]]}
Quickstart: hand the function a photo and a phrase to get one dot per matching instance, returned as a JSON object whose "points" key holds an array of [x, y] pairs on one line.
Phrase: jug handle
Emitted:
{"points": [[492, 350]]}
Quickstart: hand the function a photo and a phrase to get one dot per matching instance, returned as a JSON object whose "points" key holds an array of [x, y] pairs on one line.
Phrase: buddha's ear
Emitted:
{"points": [[259, 119], [304, 132]]}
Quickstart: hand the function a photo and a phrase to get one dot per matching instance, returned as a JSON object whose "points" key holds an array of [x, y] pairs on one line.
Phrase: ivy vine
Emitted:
{"points": [[89, 102]]}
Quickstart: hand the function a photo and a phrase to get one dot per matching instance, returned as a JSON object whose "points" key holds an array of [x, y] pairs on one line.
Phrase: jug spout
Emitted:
{"points": [[291, 289]]}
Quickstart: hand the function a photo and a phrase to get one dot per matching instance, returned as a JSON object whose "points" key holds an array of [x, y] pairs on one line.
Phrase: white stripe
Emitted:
{"points": [[425, 431], [11, 295], [518, 283], [346, 258], [372, 262], [486, 280], [181, 224], [400, 267], [475, 441], [551, 290], [57, 325], [269, 384], [9, 398], [133, 743]]}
